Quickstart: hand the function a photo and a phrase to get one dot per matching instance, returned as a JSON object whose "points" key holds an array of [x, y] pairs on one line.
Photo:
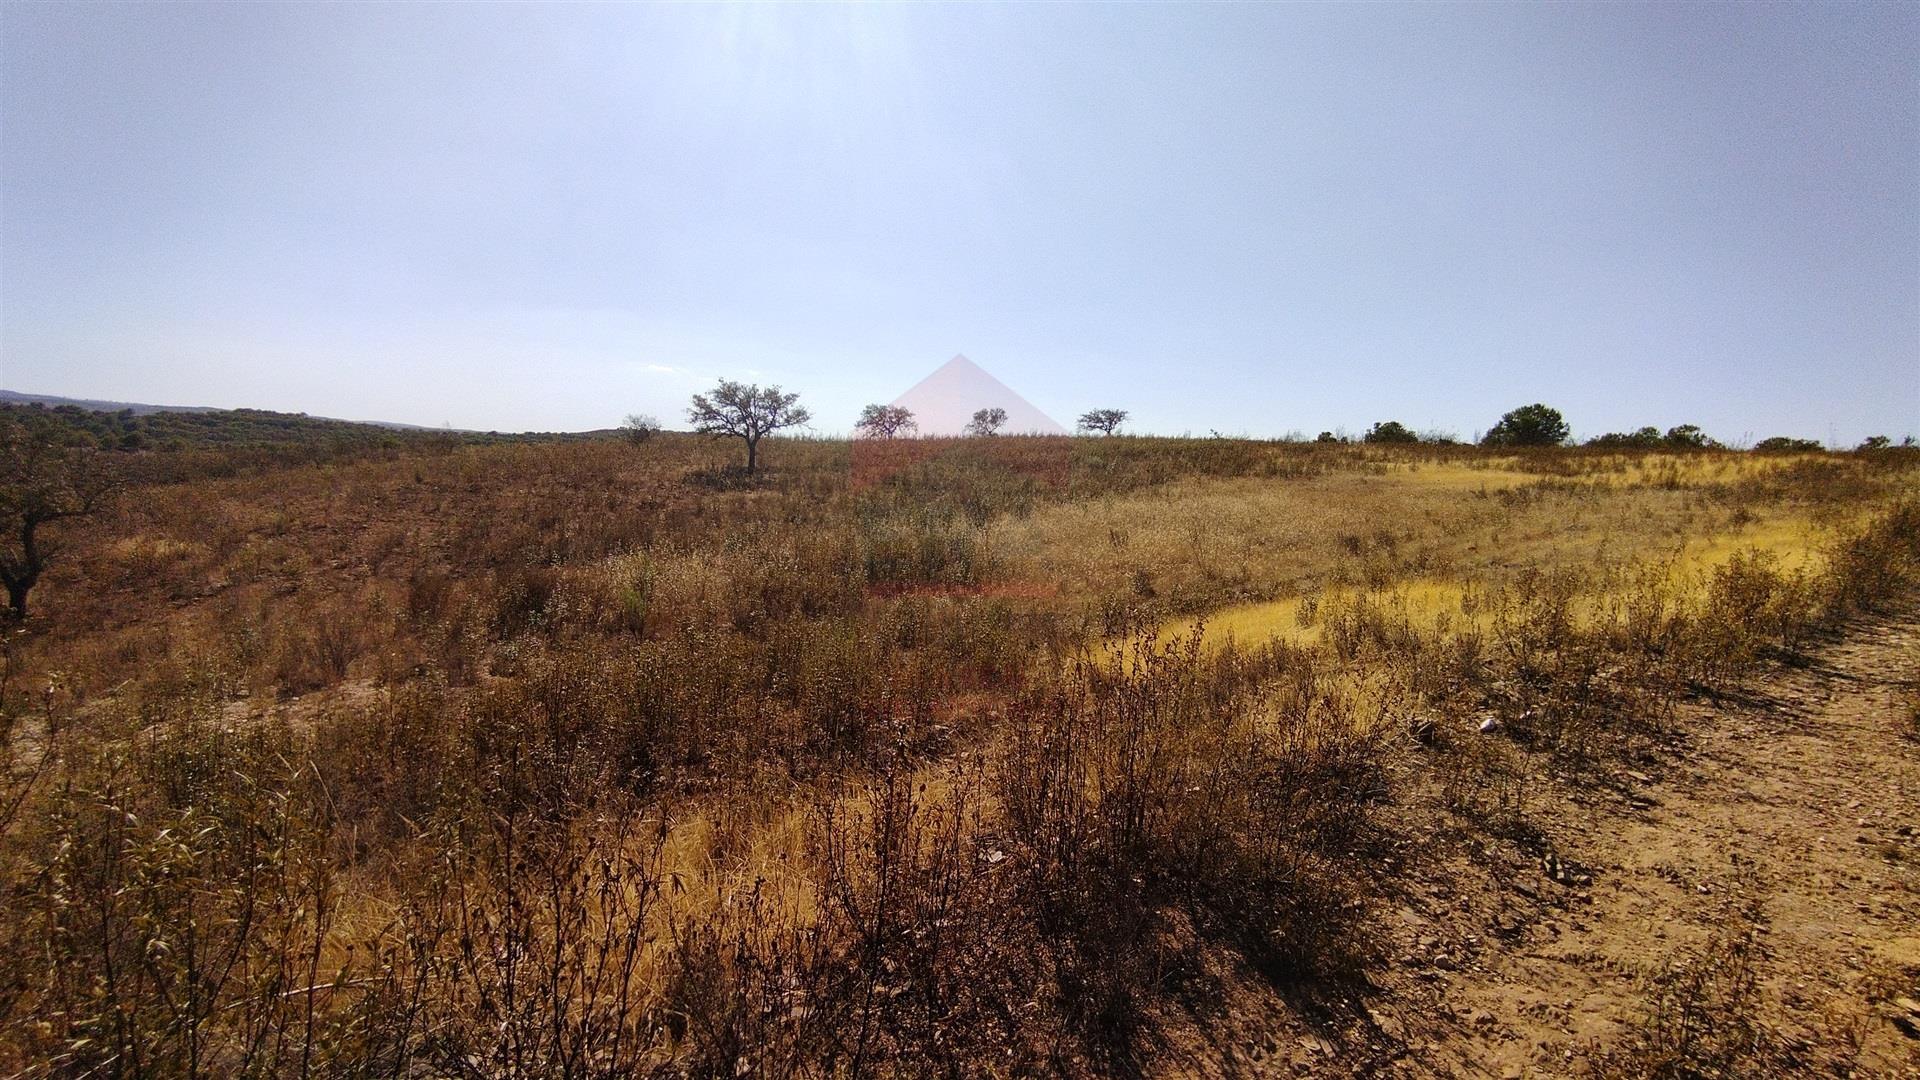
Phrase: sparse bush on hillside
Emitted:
{"points": [[1787, 444], [1688, 437], [1646, 438]]}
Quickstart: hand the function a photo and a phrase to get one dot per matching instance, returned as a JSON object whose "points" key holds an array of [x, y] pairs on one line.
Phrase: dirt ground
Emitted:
{"points": [[1744, 897]]}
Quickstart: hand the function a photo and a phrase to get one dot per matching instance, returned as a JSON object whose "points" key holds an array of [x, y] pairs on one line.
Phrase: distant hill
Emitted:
{"points": [[14, 397]]}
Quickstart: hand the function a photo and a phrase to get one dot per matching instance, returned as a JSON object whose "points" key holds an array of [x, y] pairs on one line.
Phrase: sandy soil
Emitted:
{"points": [[1776, 835]]}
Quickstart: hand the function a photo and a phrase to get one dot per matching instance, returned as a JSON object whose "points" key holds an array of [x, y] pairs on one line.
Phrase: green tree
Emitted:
{"points": [[42, 482], [1646, 438], [1688, 437], [1390, 431], [745, 412], [1528, 425], [987, 421], [1104, 421], [885, 421], [1786, 444]]}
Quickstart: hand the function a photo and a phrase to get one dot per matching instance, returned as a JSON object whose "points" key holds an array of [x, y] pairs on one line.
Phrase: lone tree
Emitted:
{"points": [[1528, 425], [745, 412], [987, 421], [42, 482], [885, 421], [1390, 431], [1104, 421], [639, 427]]}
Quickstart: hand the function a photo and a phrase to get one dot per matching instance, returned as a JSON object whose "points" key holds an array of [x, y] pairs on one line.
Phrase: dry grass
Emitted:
{"points": [[594, 759]]}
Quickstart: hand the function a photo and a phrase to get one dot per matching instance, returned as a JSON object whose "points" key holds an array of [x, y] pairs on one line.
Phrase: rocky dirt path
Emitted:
{"points": [[1761, 885]]}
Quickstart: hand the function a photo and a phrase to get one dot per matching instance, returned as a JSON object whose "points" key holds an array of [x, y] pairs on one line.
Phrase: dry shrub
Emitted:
{"points": [[533, 934], [183, 923], [1156, 792], [1751, 606], [319, 650], [1706, 1014], [1869, 566]]}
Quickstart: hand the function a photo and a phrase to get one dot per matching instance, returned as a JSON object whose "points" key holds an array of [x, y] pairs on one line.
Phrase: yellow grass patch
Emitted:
{"points": [[1492, 474], [1425, 604]]}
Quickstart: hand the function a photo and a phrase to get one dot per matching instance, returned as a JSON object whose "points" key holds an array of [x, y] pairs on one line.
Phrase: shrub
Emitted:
{"points": [[1390, 431], [1155, 794], [1528, 425]]}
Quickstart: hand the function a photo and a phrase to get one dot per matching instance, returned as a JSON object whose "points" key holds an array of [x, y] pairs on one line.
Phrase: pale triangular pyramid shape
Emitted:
{"points": [[945, 401]]}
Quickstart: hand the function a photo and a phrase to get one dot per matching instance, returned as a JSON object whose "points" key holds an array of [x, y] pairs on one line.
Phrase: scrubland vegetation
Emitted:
{"points": [[604, 758]]}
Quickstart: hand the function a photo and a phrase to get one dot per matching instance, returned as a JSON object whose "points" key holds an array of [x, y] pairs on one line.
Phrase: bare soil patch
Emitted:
{"points": [[1755, 882]]}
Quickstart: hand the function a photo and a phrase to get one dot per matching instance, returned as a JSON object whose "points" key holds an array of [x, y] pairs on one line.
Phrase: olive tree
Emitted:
{"points": [[1104, 421], [42, 482], [987, 421], [885, 421], [745, 412]]}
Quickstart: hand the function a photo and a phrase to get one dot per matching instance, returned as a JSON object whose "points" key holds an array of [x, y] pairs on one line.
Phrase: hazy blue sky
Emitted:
{"points": [[1244, 218]]}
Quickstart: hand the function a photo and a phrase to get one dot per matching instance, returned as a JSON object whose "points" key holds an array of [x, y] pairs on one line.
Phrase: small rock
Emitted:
{"points": [[1387, 1023], [1445, 962], [1490, 725]]}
